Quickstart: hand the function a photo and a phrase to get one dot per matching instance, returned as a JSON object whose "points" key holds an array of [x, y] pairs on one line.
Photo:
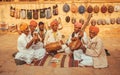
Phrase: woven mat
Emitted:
{"points": [[63, 61]]}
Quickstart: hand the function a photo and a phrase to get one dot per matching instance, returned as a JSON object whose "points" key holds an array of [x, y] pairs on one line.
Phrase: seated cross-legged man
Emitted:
{"points": [[53, 39], [74, 37], [26, 52], [94, 50]]}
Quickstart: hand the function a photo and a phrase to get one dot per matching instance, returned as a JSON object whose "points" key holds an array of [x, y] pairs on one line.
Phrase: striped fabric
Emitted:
{"points": [[64, 61]]}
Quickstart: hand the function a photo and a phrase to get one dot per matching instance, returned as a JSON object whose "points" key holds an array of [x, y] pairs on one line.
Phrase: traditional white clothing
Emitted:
{"points": [[39, 44], [78, 54], [53, 37], [29, 54], [96, 50]]}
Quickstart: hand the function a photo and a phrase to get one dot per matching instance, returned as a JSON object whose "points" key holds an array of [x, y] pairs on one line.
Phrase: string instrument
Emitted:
{"points": [[76, 42]]}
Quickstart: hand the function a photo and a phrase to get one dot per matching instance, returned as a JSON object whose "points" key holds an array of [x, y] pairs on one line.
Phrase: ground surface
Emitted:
{"points": [[8, 43]]}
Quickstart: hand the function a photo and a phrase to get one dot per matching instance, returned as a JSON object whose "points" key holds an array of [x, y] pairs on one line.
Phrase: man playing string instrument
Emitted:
{"points": [[76, 39]]}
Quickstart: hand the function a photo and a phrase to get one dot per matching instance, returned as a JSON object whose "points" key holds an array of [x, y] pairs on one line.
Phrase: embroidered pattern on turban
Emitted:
{"points": [[94, 29], [23, 26], [33, 23], [77, 24]]}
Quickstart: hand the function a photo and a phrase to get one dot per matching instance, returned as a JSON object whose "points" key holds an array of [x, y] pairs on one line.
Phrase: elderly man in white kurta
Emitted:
{"points": [[53, 35], [84, 39], [94, 49], [25, 46]]}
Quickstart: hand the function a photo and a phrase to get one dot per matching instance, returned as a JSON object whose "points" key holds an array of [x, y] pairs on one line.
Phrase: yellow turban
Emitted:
{"points": [[23, 26]]}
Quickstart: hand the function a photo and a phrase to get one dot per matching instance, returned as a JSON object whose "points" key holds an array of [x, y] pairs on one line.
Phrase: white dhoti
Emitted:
{"points": [[37, 45], [77, 54], [26, 56], [86, 60], [39, 53], [29, 55]]}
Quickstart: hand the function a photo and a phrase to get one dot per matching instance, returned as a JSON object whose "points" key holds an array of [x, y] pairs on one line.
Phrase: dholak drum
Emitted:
{"points": [[74, 45], [54, 46]]}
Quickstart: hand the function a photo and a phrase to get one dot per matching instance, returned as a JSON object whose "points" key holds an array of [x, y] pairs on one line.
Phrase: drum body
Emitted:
{"points": [[54, 46]]}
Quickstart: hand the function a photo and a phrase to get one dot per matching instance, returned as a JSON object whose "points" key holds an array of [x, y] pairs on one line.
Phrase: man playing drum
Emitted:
{"points": [[53, 39]]}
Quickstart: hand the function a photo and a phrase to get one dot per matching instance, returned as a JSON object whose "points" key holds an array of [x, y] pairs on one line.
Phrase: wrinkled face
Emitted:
{"points": [[77, 29], [26, 31], [41, 27], [32, 28], [54, 27], [92, 34]]}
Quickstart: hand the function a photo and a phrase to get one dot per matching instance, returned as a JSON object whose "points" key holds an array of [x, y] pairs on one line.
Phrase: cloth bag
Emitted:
{"points": [[23, 14], [35, 14], [12, 11], [29, 14], [48, 13], [55, 10], [42, 13], [17, 14]]}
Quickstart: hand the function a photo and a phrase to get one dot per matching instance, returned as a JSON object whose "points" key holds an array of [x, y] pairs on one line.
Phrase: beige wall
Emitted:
{"points": [[106, 30]]}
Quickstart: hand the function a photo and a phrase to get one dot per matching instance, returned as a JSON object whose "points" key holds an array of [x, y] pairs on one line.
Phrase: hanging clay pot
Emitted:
{"points": [[89, 9]]}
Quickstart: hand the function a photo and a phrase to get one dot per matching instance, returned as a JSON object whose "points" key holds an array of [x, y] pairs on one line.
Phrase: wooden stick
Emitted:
{"points": [[86, 23]]}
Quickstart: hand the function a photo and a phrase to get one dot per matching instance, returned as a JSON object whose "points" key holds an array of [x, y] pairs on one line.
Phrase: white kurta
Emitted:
{"points": [[78, 54], [49, 38], [29, 54], [96, 50], [39, 44]]}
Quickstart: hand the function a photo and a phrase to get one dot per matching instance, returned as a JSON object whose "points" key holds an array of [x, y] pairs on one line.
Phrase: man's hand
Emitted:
{"points": [[35, 38], [74, 38], [80, 34], [61, 42]]}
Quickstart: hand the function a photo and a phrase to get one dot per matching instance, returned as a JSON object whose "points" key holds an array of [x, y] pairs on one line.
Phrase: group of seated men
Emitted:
{"points": [[31, 44]]}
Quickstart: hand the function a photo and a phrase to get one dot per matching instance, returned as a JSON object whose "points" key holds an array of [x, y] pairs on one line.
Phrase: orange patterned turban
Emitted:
{"points": [[54, 22], [94, 29], [33, 23]]}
